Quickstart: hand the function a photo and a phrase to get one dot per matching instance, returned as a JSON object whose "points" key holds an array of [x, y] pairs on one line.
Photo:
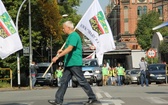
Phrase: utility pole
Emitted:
{"points": [[30, 45]]}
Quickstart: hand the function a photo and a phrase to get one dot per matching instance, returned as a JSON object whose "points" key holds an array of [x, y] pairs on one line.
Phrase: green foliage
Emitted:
{"points": [[163, 48], [50, 19], [46, 21], [4, 84], [152, 60], [144, 30]]}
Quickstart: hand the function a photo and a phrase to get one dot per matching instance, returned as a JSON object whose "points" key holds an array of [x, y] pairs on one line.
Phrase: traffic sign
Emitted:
{"points": [[151, 53]]}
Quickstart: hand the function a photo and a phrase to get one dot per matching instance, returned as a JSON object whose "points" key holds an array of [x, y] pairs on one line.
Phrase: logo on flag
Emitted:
{"points": [[6, 27], [98, 23]]}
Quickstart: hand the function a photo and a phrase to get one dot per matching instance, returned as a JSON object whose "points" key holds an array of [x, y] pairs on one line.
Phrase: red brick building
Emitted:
{"points": [[125, 14]]}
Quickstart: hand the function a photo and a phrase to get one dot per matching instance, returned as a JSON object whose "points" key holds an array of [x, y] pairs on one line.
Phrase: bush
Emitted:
{"points": [[4, 84]]}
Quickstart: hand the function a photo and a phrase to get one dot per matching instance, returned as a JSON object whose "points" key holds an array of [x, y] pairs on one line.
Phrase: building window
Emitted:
{"points": [[160, 11], [126, 18], [126, 32], [125, 12], [139, 11], [144, 9]]}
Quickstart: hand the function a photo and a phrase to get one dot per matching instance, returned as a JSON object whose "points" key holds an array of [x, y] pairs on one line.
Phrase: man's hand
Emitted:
{"points": [[59, 51], [55, 59]]}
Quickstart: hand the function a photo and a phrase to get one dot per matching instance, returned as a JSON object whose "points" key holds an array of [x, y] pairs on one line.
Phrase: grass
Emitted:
{"points": [[4, 84]]}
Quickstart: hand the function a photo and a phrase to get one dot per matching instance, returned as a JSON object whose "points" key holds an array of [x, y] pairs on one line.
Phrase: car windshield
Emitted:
{"points": [[90, 63], [156, 67], [43, 69], [135, 72]]}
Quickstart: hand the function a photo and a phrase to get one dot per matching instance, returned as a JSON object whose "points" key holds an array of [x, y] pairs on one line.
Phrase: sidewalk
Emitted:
{"points": [[13, 88], [23, 88]]}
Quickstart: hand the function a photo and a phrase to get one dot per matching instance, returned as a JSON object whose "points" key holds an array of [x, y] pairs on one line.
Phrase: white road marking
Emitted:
{"points": [[27, 103], [107, 95], [99, 96], [118, 102], [109, 101]]}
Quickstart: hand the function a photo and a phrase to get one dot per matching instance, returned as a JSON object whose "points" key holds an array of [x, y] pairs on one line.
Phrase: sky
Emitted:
{"points": [[86, 3]]}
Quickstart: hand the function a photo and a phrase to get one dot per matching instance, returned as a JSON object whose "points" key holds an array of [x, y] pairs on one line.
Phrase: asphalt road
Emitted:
{"points": [[107, 95]]}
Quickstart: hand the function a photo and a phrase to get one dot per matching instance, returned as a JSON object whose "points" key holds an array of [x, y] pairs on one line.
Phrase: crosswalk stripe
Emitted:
{"points": [[99, 96], [107, 95]]}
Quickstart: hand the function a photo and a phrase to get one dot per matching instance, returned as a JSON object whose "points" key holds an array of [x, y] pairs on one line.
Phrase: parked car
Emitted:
{"points": [[131, 76], [139, 79], [157, 73], [92, 72], [48, 79]]}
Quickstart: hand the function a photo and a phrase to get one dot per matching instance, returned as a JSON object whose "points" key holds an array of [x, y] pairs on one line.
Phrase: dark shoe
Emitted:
{"points": [[92, 102], [53, 102]]}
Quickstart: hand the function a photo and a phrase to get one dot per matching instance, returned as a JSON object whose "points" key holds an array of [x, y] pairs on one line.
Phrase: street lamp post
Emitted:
{"points": [[30, 45], [18, 58]]}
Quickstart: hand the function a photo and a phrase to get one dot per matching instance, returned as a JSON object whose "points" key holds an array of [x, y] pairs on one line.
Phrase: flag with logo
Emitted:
{"points": [[95, 27], [9, 38]]}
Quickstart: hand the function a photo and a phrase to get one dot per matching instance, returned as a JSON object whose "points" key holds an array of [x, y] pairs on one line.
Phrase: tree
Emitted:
{"points": [[46, 22], [163, 49], [144, 30]]}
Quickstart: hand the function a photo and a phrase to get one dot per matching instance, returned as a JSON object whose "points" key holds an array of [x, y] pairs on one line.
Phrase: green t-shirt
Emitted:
{"points": [[120, 70], [104, 70], [74, 58]]}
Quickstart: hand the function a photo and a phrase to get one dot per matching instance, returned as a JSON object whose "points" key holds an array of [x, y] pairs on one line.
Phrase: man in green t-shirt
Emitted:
{"points": [[105, 74], [72, 66], [120, 74]]}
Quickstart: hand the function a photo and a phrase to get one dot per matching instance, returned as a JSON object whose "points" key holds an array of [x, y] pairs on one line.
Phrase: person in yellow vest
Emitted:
{"points": [[110, 72], [120, 74], [105, 74], [114, 76]]}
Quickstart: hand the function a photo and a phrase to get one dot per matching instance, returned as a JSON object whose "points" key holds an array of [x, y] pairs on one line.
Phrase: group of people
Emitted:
{"points": [[111, 75]]}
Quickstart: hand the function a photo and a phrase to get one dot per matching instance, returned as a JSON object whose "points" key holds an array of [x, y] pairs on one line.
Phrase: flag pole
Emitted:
{"points": [[52, 62]]}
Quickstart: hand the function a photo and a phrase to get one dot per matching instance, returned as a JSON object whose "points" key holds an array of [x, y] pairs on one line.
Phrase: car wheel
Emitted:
{"points": [[130, 82], [51, 83], [100, 83], [74, 84], [138, 81]]}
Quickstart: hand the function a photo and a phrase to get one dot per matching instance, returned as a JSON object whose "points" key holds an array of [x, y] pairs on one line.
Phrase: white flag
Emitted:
{"points": [[9, 38], [95, 27]]}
